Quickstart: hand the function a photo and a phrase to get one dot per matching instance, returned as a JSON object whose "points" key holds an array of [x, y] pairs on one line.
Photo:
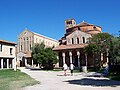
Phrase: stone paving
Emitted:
{"points": [[52, 80]]}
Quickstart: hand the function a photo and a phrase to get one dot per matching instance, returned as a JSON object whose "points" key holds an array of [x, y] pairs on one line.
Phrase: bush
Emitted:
{"points": [[114, 69]]}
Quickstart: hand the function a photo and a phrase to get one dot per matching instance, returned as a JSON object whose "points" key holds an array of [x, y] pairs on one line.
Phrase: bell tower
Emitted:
{"points": [[69, 23]]}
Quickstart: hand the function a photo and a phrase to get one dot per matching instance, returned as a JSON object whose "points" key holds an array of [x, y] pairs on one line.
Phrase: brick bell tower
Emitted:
{"points": [[69, 23]]}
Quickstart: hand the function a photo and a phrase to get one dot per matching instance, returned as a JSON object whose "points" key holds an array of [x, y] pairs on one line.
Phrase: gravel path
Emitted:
{"points": [[51, 80]]}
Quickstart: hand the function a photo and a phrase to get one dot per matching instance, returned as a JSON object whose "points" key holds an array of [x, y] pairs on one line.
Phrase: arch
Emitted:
{"points": [[72, 40], [83, 38], [78, 41]]}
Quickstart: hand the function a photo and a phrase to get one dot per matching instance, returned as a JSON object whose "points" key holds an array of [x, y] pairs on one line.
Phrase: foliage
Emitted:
{"points": [[105, 43], [44, 56], [13, 80], [115, 50], [98, 43]]}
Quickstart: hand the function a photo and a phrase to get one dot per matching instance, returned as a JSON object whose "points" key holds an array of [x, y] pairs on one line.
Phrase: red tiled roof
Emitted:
{"points": [[72, 46], [84, 24], [7, 42]]}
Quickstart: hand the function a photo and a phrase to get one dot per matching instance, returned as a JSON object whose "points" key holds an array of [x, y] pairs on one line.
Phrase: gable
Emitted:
{"points": [[78, 33], [76, 37], [25, 33]]}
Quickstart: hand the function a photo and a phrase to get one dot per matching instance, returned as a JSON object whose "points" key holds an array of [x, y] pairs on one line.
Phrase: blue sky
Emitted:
{"points": [[47, 17]]}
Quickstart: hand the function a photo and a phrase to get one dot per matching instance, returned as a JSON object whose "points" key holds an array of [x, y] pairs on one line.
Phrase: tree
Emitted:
{"points": [[98, 44], [44, 56], [115, 57]]}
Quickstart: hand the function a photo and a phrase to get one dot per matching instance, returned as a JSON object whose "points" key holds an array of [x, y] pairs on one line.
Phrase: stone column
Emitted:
{"points": [[57, 65], [86, 59], [70, 54], [7, 63], [101, 64], [107, 56], [78, 54], [14, 64], [1, 63], [32, 63], [25, 62], [63, 54]]}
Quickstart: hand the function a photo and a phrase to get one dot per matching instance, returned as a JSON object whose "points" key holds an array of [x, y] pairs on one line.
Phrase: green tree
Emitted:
{"points": [[98, 43], [115, 52], [44, 56]]}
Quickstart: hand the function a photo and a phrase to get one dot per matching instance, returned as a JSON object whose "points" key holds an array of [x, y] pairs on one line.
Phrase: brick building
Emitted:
{"points": [[74, 40], [26, 40]]}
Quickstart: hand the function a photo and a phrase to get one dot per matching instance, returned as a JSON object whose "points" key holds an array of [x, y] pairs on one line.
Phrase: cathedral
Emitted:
{"points": [[70, 49]]}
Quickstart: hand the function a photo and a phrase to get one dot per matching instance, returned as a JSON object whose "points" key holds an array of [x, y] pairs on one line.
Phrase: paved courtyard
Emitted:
{"points": [[52, 80]]}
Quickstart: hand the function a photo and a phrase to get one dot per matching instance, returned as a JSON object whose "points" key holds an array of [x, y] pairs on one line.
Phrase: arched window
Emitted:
{"points": [[83, 39], [77, 40], [72, 41], [21, 47]]}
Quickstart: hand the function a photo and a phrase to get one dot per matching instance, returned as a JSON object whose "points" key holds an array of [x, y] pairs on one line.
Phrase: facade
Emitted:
{"points": [[72, 43], [26, 40], [7, 55]]}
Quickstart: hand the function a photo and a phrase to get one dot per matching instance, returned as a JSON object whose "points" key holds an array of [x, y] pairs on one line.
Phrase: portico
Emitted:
{"points": [[74, 54], [69, 58], [7, 63]]}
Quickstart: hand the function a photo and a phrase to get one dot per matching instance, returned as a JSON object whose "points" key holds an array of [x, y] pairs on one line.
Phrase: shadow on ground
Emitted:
{"points": [[94, 82]]}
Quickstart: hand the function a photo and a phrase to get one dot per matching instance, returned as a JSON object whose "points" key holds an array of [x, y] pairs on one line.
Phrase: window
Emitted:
{"points": [[11, 51], [83, 39], [72, 41], [94, 27], [30, 47], [21, 47], [0, 47], [77, 40], [27, 38]]}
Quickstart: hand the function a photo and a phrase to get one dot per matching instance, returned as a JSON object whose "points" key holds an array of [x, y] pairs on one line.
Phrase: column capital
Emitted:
{"points": [[63, 54], [78, 53], [70, 53]]}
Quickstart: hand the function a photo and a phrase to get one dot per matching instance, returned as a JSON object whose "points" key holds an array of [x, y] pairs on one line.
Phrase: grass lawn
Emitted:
{"points": [[10, 80], [114, 77]]}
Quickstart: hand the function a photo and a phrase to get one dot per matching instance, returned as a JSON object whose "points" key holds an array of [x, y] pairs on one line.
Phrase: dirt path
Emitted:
{"points": [[51, 80]]}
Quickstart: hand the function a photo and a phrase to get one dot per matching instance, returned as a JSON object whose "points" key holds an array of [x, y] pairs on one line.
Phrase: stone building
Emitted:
{"points": [[26, 40], [7, 54], [74, 40]]}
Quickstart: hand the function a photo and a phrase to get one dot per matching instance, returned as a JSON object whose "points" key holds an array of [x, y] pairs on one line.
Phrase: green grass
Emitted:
{"points": [[12, 80], [114, 76]]}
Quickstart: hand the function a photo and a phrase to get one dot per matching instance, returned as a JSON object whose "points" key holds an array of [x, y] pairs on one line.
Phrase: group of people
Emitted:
{"points": [[65, 68]]}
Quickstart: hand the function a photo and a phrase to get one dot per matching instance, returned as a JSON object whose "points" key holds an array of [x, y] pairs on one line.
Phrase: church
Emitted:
{"points": [[70, 49]]}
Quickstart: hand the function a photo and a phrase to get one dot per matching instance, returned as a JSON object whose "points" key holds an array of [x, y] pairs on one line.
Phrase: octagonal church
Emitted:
{"points": [[72, 43]]}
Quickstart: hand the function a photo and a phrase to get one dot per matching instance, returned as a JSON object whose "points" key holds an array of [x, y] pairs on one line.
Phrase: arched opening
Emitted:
{"points": [[83, 39], [77, 40], [72, 41]]}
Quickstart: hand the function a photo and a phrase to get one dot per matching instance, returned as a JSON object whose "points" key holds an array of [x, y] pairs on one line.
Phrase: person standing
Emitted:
{"points": [[65, 67], [71, 69]]}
